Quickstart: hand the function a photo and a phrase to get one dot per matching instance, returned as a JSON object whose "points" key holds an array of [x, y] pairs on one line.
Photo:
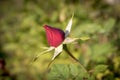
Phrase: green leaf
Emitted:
{"points": [[86, 28], [82, 75], [59, 72], [84, 38], [100, 51], [73, 70], [108, 25], [100, 69]]}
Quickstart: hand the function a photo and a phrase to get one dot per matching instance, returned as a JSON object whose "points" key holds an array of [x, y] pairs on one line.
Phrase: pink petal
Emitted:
{"points": [[54, 36]]}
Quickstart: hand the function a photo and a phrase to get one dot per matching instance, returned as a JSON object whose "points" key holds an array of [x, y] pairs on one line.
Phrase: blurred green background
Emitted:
{"points": [[22, 36]]}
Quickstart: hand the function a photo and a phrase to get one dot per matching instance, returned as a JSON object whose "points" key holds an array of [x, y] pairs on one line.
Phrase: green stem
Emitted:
{"points": [[70, 54]]}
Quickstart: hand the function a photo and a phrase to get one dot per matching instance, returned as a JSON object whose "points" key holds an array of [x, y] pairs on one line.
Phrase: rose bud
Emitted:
{"points": [[54, 36]]}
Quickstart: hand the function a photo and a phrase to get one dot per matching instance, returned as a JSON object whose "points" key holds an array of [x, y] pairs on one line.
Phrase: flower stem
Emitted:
{"points": [[70, 54]]}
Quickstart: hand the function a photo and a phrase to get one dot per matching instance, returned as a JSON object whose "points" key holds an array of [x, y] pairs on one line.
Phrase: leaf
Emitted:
{"points": [[100, 51], [100, 69], [59, 72], [82, 75], [73, 70], [84, 38], [108, 25], [86, 29]]}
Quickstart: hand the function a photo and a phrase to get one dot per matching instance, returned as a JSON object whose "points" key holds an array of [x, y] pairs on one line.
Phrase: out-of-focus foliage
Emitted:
{"points": [[22, 36]]}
